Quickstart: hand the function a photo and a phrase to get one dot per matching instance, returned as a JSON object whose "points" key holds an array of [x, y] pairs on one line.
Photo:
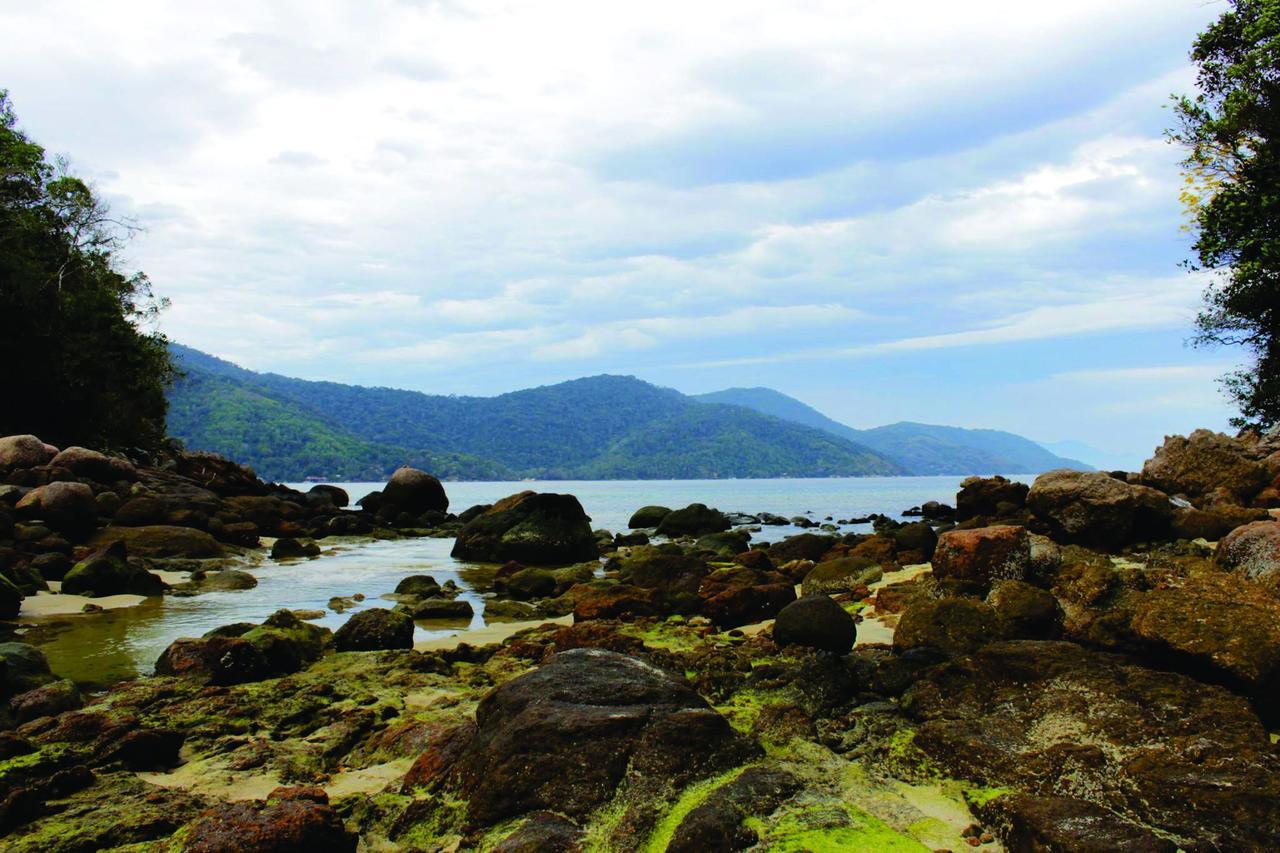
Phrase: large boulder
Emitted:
{"points": [[693, 520], [1203, 462], [415, 492], [159, 540], [1253, 549], [1026, 612], [1155, 749], [975, 559], [374, 629], [989, 497], [216, 660], [93, 465], [23, 451], [953, 626], [108, 572], [1095, 509], [815, 621], [531, 528], [802, 546], [648, 516], [47, 701], [566, 735], [68, 507], [1213, 522]]}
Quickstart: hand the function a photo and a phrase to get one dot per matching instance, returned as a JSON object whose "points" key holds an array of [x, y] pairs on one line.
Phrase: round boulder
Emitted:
{"points": [[843, 574], [23, 451], [815, 621], [693, 520], [96, 466], [648, 516], [422, 586], [532, 528], [68, 507], [413, 491], [1253, 549], [371, 630]]}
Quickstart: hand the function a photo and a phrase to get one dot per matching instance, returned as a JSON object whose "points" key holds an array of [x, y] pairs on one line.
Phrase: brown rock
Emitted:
{"points": [[977, 558], [1202, 462], [1095, 509]]}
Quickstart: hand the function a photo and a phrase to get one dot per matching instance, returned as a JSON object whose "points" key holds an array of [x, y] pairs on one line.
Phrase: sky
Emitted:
{"points": [[956, 213]]}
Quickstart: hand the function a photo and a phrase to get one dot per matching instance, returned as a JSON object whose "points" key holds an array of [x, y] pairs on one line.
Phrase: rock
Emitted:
{"points": [[627, 540], [283, 823], [989, 497], [728, 543], [529, 583], [1217, 626], [1203, 462], [377, 628], [567, 734], [10, 598], [140, 511], [214, 660], [737, 596], [288, 548], [648, 516], [815, 621], [1025, 822], [226, 580], [608, 599], [976, 558], [1214, 523], [543, 832], [333, 496], [953, 626], [1026, 612], [23, 451], [718, 823], [47, 701], [287, 642], [693, 520], [676, 576], [108, 572], [67, 507], [441, 608], [95, 466], [423, 586], [535, 529], [1094, 509], [1253, 549], [22, 667], [145, 749], [843, 574], [918, 539], [413, 491], [804, 546], [1052, 719], [159, 540], [52, 566], [937, 511]]}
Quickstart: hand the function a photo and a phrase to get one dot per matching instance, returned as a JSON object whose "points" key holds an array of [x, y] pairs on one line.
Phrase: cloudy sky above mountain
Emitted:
{"points": [[951, 213]]}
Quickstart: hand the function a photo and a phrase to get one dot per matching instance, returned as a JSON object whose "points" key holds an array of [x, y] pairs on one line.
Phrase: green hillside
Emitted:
{"points": [[920, 448], [601, 427]]}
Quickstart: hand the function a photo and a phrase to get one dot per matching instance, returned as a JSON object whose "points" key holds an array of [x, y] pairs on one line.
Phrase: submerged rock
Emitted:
{"points": [[533, 528]]}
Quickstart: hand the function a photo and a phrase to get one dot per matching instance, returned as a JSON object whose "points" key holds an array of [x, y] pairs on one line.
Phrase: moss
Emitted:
{"points": [[690, 799], [824, 828], [979, 797], [603, 823], [435, 826], [743, 708]]}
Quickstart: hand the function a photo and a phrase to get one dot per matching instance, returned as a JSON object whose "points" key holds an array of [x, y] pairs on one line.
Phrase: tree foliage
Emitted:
{"points": [[80, 365], [1231, 131]]}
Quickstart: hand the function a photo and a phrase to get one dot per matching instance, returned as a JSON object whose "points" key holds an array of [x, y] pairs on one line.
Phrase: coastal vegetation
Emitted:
{"points": [[1231, 131], [83, 368]]}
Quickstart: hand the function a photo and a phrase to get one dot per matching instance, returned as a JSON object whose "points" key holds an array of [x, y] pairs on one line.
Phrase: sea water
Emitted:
{"points": [[101, 648]]}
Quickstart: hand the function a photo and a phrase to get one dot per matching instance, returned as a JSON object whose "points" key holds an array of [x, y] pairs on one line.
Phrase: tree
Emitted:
{"points": [[1231, 131], [81, 366]]}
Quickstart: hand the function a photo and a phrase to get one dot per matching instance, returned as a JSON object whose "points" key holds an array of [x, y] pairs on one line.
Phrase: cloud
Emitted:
{"points": [[301, 159]]}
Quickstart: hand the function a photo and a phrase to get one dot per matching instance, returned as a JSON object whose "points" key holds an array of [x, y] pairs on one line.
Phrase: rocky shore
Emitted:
{"points": [[1091, 662]]}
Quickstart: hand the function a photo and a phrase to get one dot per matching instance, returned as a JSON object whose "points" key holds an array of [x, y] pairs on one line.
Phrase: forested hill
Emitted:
{"points": [[920, 448], [601, 427]]}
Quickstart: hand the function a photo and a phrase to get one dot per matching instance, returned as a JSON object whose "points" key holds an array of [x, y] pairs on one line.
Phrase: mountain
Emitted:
{"points": [[600, 427], [919, 448]]}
